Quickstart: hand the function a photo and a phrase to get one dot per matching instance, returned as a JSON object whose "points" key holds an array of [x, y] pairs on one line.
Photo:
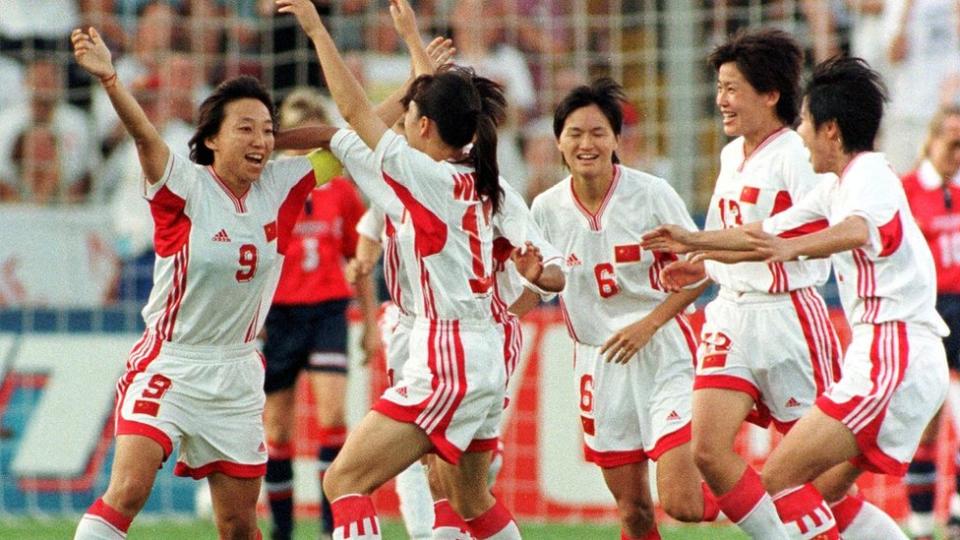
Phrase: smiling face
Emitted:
{"points": [[587, 142], [244, 142], [824, 143], [744, 110]]}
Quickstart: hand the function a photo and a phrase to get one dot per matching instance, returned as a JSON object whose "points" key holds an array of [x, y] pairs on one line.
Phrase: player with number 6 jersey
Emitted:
{"points": [[222, 226], [633, 347]]}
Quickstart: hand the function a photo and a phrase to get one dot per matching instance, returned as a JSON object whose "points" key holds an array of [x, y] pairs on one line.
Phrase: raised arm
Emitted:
{"points": [[425, 60], [345, 90], [93, 55]]}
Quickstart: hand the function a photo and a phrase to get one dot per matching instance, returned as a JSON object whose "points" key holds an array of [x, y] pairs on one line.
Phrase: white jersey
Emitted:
{"points": [[892, 278], [378, 227], [218, 256], [777, 174], [450, 268], [611, 280]]}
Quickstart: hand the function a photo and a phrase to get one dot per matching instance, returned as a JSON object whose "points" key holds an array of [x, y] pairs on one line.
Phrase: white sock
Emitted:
{"points": [[871, 523], [920, 524], [416, 503], [96, 528], [450, 533], [763, 522]]}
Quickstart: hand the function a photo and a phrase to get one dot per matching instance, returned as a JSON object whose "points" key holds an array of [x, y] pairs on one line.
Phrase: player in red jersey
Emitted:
{"points": [[453, 383], [933, 191], [306, 329], [223, 224]]}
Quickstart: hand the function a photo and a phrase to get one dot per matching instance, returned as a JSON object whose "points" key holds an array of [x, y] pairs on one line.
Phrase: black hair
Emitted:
{"points": [[846, 90], [466, 108], [212, 112], [605, 93], [770, 60]]}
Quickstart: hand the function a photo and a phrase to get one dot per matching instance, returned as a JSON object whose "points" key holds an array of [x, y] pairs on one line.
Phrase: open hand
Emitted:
{"points": [[772, 247], [668, 238], [679, 274], [623, 345], [528, 261], [441, 51], [404, 21], [92, 53], [305, 12], [356, 270]]}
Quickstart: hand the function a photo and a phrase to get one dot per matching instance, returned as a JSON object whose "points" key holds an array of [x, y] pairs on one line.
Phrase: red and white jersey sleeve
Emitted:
{"points": [[323, 238], [513, 227], [776, 175], [892, 278], [939, 224], [450, 267], [372, 224], [611, 280], [378, 227], [219, 255]]}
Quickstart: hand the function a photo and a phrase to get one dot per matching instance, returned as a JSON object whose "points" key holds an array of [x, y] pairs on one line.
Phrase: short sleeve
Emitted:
{"points": [[353, 210], [669, 207], [429, 182], [371, 224], [179, 177], [362, 165], [809, 215], [285, 173], [874, 197]]}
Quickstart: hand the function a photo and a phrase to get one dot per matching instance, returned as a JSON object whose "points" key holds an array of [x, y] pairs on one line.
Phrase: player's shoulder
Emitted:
{"points": [[732, 151], [637, 182], [554, 196]]}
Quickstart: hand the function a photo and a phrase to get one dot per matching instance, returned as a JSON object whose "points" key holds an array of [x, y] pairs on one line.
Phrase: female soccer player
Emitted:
{"points": [[933, 192], [767, 343], [307, 324], [634, 350], [894, 376], [453, 382], [222, 227]]}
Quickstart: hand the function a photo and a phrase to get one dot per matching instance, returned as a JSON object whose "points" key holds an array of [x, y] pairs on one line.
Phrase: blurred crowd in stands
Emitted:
{"points": [[60, 142]]}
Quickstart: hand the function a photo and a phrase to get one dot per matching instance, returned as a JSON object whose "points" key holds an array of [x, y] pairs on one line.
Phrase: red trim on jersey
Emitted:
{"points": [[689, 336], [171, 223], [864, 415], [566, 320], [431, 231], [726, 382], [614, 458], [233, 470], [866, 286], [594, 220], [238, 202], [781, 202], [816, 338], [391, 270], [806, 228], [670, 441], [132, 427], [165, 324], [660, 261], [429, 301], [290, 209], [512, 344], [780, 282], [483, 445], [763, 144], [251, 332], [891, 235]]}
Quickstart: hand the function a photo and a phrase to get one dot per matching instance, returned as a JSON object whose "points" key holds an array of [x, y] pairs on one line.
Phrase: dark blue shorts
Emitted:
{"points": [[948, 305], [305, 337]]}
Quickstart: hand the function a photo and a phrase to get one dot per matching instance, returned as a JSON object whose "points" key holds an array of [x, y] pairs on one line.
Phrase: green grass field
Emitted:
{"points": [[59, 529]]}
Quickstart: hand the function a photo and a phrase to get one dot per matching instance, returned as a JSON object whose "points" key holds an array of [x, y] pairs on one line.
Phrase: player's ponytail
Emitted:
{"points": [[466, 109], [484, 150]]}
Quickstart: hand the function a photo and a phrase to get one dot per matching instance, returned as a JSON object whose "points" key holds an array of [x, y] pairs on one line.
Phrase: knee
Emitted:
{"points": [[636, 516], [685, 507], [469, 505], [776, 478], [233, 525], [127, 496], [707, 456]]}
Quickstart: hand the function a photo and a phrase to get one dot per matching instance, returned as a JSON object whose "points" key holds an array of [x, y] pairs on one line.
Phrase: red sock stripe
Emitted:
{"points": [[332, 435], [711, 506], [110, 515], [279, 450], [490, 522], [445, 516], [845, 510], [803, 506], [352, 509], [743, 498]]}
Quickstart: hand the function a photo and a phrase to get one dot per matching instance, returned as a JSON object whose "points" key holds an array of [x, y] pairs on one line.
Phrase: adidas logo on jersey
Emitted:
{"points": [[673, 416], [572, 260], [221, 236], [793, 403], [402, 390]]}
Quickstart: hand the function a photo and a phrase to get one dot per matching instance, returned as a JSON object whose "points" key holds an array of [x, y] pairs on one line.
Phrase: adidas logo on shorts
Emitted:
{"points": [[221, 236], [673, 416], [793, 403]]}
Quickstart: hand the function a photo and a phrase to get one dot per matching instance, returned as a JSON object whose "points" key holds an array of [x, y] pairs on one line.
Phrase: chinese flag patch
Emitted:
{"points": [[749, 194], [588, 426], [142, 406], [270, 229], [626, 253], [716, 360]]}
